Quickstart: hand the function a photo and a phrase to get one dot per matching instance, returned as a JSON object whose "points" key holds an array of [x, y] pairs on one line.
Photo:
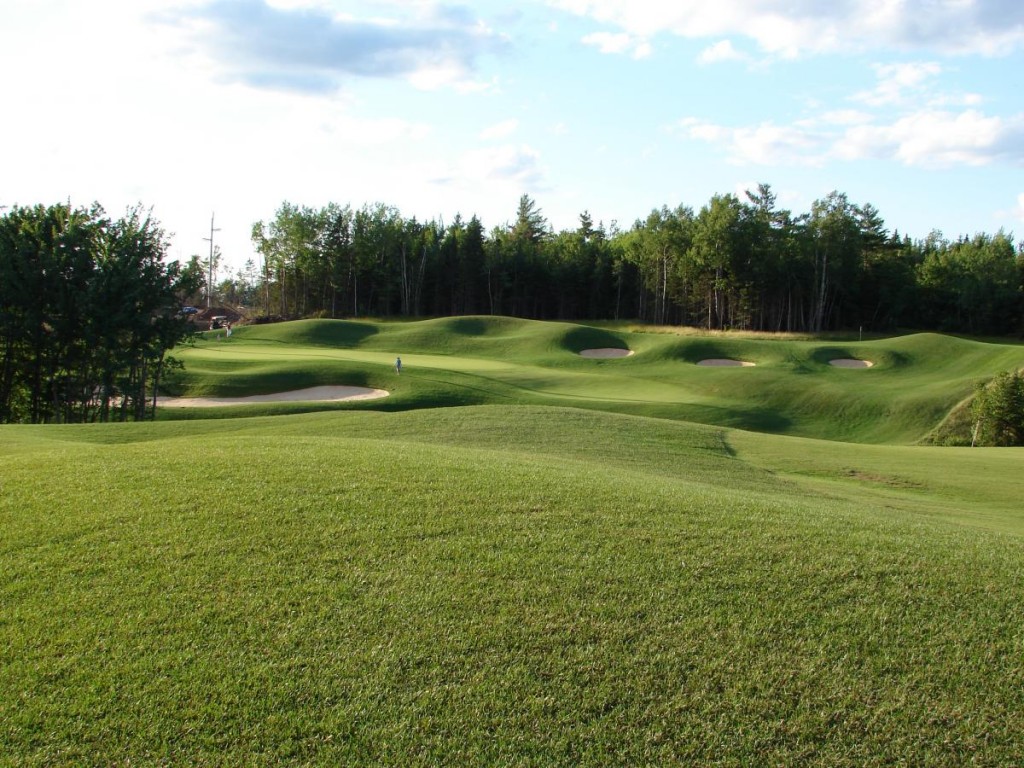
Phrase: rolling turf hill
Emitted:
{"points": [[792, 388], [520, 557]]}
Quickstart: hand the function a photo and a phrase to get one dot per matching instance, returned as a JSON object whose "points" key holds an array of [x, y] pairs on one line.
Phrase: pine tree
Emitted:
{"points": [[998, 411]]}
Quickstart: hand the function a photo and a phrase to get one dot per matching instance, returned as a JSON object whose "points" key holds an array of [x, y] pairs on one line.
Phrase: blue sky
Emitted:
{"points": [[610, 106]]}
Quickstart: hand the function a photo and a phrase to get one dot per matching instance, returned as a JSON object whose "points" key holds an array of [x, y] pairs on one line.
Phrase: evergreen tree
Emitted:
{"points": [[88, 312], [998, 411]]}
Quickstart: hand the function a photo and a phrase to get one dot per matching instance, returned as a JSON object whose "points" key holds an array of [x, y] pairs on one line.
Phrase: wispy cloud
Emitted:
{"points": [[607, 42], [374, 133], [764, 144], [924, 139], [895, 80], [308, 48], [942, 100], [845, 117], [511, 166], [510, 163], [938, 139], [501, 130], [788, 28], [721, 51]]}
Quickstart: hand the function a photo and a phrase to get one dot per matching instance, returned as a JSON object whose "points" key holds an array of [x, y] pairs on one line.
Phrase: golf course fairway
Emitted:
{"points": [[520, 556]]}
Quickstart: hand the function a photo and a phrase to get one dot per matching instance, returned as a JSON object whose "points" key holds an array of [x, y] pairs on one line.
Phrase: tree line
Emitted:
{"points": [[739, 264], [88, 312], [89, 308]]}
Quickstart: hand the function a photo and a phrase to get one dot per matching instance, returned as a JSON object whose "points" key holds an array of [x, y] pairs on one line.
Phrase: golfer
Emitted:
{"points": [[398, 366]]}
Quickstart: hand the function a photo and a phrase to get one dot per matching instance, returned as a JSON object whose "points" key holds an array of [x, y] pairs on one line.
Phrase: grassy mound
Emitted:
{"points": [[502, 585], [913, 383], [520, 557]]}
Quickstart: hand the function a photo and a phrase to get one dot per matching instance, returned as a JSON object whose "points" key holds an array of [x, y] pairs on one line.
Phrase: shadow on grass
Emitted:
{"points": [[702, 349], [319, 333], [577, 339], [879, 358]]}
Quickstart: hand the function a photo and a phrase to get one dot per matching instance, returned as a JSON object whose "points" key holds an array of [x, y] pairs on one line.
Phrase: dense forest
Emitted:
{"points": [[88, 312], [739, 264]]}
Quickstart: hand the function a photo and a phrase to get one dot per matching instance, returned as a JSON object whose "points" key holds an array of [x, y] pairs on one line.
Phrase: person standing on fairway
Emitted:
{"points": [[398, 366]]}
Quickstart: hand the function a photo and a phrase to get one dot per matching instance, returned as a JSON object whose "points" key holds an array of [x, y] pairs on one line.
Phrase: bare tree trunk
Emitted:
{"points": [[405, 282], [282, 299], [618, 294], [819, 314], [418, 288], [140, 398]]}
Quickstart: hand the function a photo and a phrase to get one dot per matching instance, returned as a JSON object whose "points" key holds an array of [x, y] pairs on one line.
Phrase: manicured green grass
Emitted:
{"points": [[496, 585], [793, 390], [539, 573]]}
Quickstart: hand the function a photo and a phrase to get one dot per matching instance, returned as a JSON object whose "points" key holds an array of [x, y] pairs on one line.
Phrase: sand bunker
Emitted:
{"points": [[726, 362], [846, 362], [606, 352], [310, 395]]}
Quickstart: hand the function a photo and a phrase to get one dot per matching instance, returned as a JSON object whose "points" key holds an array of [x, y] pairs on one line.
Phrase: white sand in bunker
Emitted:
{"points": [[725, 362], [606, 352], [311, 395], [848, 362]]}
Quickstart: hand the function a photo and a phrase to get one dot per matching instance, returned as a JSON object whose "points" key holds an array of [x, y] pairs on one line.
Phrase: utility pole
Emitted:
{"points": [[209, 281]]}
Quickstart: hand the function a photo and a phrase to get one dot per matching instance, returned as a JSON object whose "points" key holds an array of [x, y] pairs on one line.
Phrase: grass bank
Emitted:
{"points": [[520, 557]]}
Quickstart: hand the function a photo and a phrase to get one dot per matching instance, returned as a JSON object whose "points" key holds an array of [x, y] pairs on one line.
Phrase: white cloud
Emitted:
{"points": [[509, 165], [923, 139], [501, 130], [518, 164], [938, 139], [307, 47], [762, 144], [896, 79], [846, 117], [704, 131], [374, 132], [956, 100], [433, 78], [607, 42], [1019, 212], [787, 28], [721, 51], [643, 50]]}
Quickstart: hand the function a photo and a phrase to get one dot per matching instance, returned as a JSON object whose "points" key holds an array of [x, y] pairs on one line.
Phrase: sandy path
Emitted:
{"points": [[606, 353], [312, 394]]}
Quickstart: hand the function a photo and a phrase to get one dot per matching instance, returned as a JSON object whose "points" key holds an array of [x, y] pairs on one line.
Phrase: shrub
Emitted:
{"points": [[998, 411]]}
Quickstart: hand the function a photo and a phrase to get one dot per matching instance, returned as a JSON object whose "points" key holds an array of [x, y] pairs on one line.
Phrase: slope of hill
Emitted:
{"points": [[520, 557], [790, 388], [504, 584]]}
